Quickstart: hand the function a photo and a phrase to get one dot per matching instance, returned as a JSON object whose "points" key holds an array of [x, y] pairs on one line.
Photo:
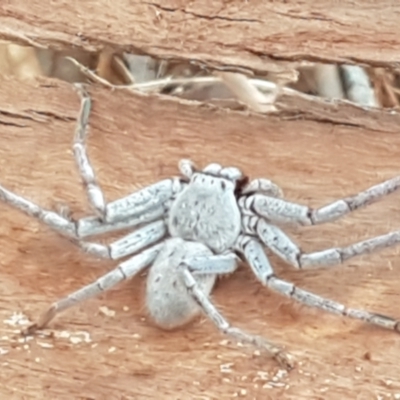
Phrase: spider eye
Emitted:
{"points": [[213, 169], [187, 168], [231, 173]]}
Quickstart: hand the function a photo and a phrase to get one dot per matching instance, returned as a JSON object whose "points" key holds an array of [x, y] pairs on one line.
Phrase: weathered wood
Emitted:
{"points": [[217, 33], [134, 141]]}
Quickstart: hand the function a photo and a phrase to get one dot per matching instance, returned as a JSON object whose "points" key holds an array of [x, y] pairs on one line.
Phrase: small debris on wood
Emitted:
{"points": [[17, 319], [106, 311]]}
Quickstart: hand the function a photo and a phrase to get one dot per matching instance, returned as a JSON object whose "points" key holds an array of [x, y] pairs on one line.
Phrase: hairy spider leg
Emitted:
{"points": [[76, 230], [213, 265], [284, 247], [258, 261], [125, 270], [132, 205], [278, 210]]}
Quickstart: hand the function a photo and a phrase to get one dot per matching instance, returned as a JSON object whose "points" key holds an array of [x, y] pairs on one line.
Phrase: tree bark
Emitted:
{"points": [[252, 35], [136, 140]]}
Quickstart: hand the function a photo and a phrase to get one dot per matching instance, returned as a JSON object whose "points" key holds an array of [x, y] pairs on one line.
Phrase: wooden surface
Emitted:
{"points": [[241, 33], [134, 141]]}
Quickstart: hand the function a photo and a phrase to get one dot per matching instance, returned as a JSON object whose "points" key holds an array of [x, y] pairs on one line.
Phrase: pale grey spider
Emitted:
{"points": [[192, 229]]}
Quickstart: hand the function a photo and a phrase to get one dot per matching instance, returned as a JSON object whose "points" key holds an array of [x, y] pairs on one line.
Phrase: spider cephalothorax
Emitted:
{"points": [[191, 229], [206, 210]]}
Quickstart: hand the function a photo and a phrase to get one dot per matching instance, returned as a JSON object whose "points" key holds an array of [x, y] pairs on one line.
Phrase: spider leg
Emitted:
{"points": [[218, 264], [264, 186], [144, 200], [125, 270], [275, 239], [213, 265], [92, 226], [258, 261], [89, 226], [281, 211], [56, 221], [129, 244], [132, 205], [93, 190]]}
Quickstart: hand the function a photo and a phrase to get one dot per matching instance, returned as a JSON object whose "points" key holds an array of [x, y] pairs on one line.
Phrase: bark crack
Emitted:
{"points": [[202, 16]]}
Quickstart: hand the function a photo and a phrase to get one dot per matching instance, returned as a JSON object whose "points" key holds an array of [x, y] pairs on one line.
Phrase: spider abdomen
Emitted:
{"points": [[167, 299], [206, 211]]}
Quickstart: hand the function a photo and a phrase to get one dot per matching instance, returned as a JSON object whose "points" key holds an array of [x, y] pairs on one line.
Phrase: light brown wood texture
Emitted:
{"points": [[134, 141], [220, 33]]}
